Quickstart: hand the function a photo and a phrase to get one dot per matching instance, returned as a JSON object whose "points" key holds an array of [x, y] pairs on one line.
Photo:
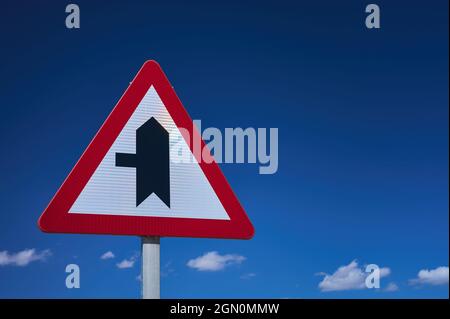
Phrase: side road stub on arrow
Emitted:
{"points": [[125, 182]]}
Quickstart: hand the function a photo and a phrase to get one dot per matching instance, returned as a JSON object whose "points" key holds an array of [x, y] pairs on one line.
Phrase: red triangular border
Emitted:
{"points": [[56, 219]]}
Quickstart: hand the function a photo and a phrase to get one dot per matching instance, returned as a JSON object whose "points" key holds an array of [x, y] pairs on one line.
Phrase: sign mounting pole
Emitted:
{"points": [[150, 267]]}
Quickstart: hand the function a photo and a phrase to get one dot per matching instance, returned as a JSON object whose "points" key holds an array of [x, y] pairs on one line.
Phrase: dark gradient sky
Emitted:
{"points": [[363, 127]]}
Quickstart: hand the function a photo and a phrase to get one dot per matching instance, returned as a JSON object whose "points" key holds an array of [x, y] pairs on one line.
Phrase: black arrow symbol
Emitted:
{"points": [[151, 161]]}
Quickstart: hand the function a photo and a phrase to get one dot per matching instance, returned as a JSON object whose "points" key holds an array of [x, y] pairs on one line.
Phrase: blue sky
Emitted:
{"points": [[363, 150]]}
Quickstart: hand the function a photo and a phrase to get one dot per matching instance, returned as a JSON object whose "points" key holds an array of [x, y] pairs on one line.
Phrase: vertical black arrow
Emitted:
{"points": [[151, 161]]}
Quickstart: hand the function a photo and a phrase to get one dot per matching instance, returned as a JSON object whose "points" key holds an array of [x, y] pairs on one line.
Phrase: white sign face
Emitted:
{"points": [[111, 190]]}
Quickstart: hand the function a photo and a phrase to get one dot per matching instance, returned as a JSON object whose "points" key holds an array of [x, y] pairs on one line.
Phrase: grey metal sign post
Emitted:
{"points": [[150, 268]]}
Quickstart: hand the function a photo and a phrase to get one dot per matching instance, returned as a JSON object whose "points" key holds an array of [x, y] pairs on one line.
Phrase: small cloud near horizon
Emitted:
{"points": [[433, 277], [213, 261], [24, 257], [107, 255], [127, 263], [347, 277], [391, 287]]}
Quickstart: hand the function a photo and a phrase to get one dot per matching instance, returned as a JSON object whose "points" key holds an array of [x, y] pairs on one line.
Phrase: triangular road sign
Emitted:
{"points": [[140, 176]]}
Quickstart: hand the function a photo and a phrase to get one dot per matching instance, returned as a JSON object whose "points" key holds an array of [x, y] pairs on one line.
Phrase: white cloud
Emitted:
{"points": [[384, 272], [435, 277], [107, 255], [391, 287], [22, 258], [213, 261], [126, 263], [348, 277]]}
